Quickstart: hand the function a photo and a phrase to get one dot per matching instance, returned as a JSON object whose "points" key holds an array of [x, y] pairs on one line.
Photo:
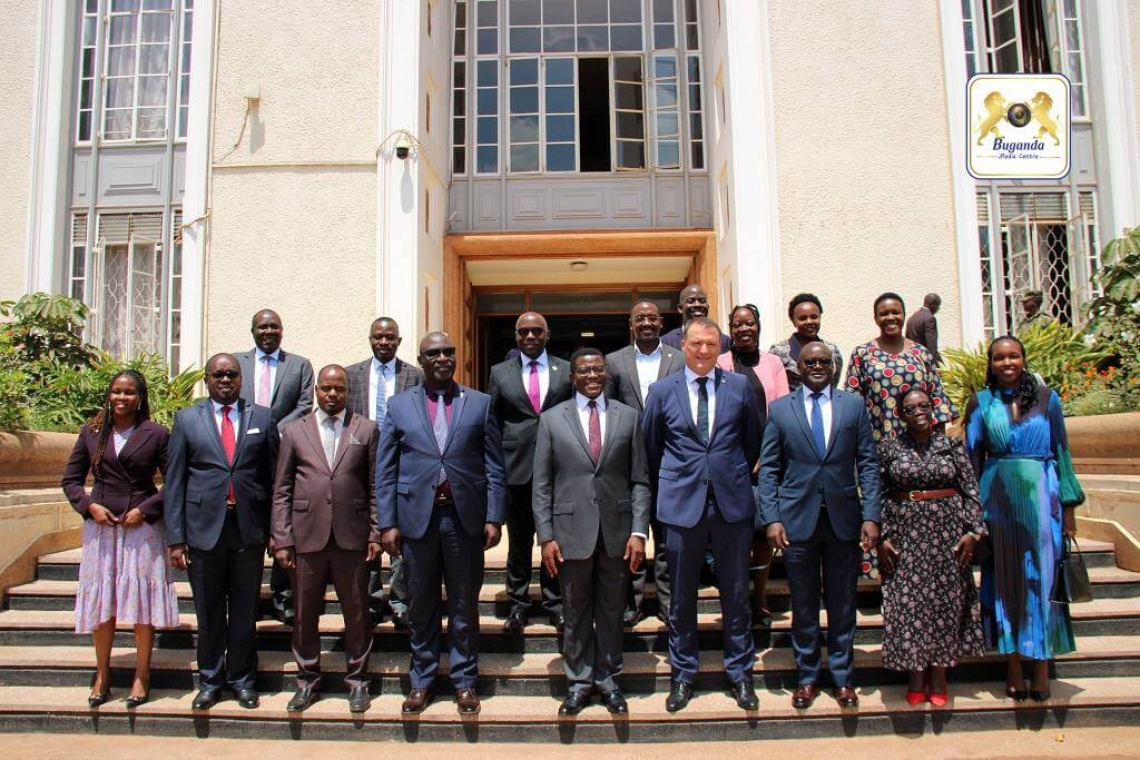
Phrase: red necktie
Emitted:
{"points": [[595, 432], [229, 443], [533, 388]]}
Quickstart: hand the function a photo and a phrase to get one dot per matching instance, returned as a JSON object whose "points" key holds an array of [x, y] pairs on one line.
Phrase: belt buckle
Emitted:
{"points": [[913, 495]]}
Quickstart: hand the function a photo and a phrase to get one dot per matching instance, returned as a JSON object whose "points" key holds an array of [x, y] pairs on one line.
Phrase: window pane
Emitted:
{"points": [[459, 103], [631, 155], [668, 153], [662, 10], [156, 27], [630, 125], [85, 125], [696, 128], [459, 131], [488, 131], [692, 40], [560, 100], [122, 30], [120, 93], [488, 13], [625, 38], [592, 12], [153, 59], [526, 40], [664, 37], [524, 100], [524, 71], [559, 128], [560, 71], [626, 11], [627, 69], [524, 129], [124, 5], [628, 96], [698, 155], [157, 5], [120, 61], [664, 66], [560, 158], [524, 12], [593, 38], [487, 42], [88, 70], [488, 73], [488, 101], [152, 91], [487, 159], [152, 122], [668, 124], [666, 95], [557, 11], [558, 39], [117, 124], [459, 160], [524, 158]]}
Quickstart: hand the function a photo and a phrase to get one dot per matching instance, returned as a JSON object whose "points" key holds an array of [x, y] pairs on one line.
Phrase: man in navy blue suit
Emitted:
{"points": [[702, 432], [818, 455], [440, 502]]}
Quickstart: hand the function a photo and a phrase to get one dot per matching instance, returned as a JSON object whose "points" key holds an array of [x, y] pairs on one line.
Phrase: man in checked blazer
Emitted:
{"points": [[324, 528], [629, 373], [371, 385]]}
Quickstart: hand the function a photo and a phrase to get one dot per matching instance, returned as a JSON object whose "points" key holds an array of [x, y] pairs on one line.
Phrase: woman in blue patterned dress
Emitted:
{"points": [[1015, 435]]}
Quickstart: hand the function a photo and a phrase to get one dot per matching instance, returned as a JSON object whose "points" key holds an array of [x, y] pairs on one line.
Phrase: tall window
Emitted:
{"points": [[582, 86]]}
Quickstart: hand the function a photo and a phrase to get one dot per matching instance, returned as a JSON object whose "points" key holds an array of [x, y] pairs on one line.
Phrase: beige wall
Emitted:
{"points": [[863, 161], [293, 208], [1134, 37], [18, 35]]}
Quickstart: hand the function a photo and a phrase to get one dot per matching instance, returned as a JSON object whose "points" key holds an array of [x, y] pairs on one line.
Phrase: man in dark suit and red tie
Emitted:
{"points": [[440, 502], [521, 389], [217, 494], [702, 432], [371, 384], [324, 528]]}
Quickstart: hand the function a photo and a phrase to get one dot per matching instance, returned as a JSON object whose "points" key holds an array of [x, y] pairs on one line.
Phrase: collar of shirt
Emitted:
{"points": [[322, 415], [584, 401], [447, 393], [637, 352], [218, 407], [542, 359], [691, 377], [808, 391], [377, 364], [275, 356]]}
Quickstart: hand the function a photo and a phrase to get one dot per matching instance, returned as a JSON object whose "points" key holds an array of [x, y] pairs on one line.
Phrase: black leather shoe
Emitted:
{"points": [[206, 699], [632, 618], [615, 702], [679, 695], [377, 616], [745, 694], [574, 703], [516, 622], [359, 700], [131, 702], [400, 620], [558, 621], [97, 699], [247, 698], [303, 699], [417, 700]]}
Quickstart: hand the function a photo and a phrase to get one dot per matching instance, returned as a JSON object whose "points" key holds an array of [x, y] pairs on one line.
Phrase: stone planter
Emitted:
{"points": [[1107, 444], [33, 459]]}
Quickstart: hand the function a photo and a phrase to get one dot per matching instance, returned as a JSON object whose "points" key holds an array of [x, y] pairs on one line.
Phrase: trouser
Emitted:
{"points": [[593, 590], [349, 575], [397, 597], [520, 546]]}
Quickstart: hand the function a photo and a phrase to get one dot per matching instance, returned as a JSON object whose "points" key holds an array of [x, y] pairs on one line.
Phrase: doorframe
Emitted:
{"points": [[458, 294]]}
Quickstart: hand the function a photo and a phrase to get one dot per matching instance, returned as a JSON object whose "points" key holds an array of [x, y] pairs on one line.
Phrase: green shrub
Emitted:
{"points": [[1101, 402]]}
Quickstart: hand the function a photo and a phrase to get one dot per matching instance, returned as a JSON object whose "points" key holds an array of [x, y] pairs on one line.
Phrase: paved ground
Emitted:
{"points": [[1088, 742]]}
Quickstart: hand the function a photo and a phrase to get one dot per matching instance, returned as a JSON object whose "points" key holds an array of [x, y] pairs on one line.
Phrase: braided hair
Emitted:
{"points": [[103, 423], [1026, 393]]}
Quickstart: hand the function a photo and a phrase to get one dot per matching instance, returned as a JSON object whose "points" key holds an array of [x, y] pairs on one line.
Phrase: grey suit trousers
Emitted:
{"points": [[593, 599]]}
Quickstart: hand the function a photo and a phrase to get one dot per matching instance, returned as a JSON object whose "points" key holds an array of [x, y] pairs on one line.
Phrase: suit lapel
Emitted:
{"points": [[555, 376], [312, 432], [570, 414], [720, 393], [665, 368], [682, 391], [629, 358], [282, 368], [836, 410], [346, 432], [801, 417], [141, 434], [612, 422], [243, 431], [419, 402], [456, 413], [206, 413]]}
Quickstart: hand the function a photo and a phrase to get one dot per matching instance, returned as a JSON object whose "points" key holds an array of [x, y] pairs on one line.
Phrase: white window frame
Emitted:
{"points": [[173, 41]]}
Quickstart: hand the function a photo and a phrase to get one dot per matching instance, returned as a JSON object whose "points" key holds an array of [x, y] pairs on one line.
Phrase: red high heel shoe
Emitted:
{"points": [[915, 697], [939, 700]]}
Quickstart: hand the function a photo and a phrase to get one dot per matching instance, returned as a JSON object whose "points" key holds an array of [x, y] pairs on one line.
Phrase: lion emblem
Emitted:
{"points": [[1040, 107], [995, 114]]}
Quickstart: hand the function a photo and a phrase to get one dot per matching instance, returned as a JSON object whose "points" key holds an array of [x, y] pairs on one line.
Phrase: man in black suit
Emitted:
{"points": [[282, 382], [922, 327], [629, 373], [218, 498], [521, 389], [371, 385], [692, 302]]}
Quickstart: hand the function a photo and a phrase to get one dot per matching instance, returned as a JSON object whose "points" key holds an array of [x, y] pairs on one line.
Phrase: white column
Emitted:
{"points": [[50, 148], [195, 201], [965, 205], [1113, 37]]}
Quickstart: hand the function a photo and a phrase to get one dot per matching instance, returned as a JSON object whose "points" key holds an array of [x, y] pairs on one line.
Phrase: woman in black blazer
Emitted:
{"points": [[124, 575]]}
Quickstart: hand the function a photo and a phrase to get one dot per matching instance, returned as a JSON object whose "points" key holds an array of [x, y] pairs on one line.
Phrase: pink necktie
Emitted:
{"points": [[229, 445], [265, 386], [595, 432], [532, 387]]}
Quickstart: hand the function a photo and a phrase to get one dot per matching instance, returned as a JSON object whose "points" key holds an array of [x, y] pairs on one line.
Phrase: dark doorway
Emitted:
{"points": [[594, 113]]}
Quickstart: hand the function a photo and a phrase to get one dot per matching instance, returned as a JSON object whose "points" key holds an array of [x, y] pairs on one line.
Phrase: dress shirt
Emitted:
{"points": [[584, 418], [119, 440], [648, 367], [543, 375], [259, 367], [691, 384], [338, 428], [234, 418], [374, 383], [447, 396], [824, 408]]}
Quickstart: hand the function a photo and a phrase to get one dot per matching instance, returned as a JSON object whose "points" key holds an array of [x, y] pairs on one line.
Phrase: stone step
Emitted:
{"points": [[530, 674], [711, 715]]}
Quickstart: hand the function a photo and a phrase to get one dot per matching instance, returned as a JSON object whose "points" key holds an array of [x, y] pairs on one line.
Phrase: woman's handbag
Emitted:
{"points": [[1071, 578]]}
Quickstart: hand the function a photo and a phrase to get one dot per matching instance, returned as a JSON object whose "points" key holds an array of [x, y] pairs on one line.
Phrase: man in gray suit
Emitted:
{"points": [[629, 373], [591, 512], [371, 385], [283, 382]]}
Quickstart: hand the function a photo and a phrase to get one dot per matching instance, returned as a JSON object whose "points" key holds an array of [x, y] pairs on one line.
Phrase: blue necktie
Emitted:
{"points": [[817, 424], [381, 394], [703, 408]]}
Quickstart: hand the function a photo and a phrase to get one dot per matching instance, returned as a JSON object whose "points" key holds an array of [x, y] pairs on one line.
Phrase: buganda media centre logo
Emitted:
{"points": [[1018, 126]]}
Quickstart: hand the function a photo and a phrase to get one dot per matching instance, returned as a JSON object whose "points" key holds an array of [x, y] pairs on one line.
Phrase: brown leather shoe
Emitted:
{"points": [[467, 701], [804, 695], [418, 700], [846, 696]]}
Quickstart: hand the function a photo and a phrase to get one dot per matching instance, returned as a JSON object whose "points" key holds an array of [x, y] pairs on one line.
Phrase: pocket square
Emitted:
{"points": [[353, 442], [253, 431]]}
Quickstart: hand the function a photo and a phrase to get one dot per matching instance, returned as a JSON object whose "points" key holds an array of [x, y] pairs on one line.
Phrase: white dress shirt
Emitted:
{"points": [[584, 419], [259, 368], [120, 439], [543, 375], [648, 367], [691, 384], [337, 429], [374, 383], [824, 407], [234, 418]]}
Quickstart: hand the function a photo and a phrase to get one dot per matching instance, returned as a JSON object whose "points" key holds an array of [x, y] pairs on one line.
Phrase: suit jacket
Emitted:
{"points": [[621, 373], [408, 461], [407, 376], [198, 476], [124, 480], [795, 480], [516, 417], [292, 394], [313, 501], [922, 328], [683, 469], [573, 499]]}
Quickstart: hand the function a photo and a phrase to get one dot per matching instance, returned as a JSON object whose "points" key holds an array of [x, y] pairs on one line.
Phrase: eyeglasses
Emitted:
{"points": [[225, 374], [537, 332], [435, 353], [912, 409], [588, 371], [816, 362]]}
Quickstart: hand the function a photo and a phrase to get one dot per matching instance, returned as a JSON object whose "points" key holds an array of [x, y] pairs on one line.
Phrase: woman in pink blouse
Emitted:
{"points": [[767, 374]]}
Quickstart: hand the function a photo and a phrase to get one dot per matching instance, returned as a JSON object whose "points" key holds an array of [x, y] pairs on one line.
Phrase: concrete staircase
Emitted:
{"points": [[46, 670]]}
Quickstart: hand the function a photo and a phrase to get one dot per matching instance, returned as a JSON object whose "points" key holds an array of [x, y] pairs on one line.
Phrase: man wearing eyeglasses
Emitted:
{"points": [[521, 389], [819, 499], [218, 499], [440, 501]]}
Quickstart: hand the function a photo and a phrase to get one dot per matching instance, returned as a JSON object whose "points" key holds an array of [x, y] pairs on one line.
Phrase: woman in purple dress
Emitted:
{"points": [[124, 574]]}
